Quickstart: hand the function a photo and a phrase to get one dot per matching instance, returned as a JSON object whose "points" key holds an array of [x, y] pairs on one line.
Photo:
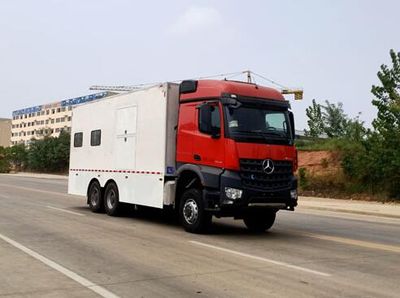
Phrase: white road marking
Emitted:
{"points": [[3, 196], [261, 259], [365, 244], [66, 211], [72, 275], [352, 212], [349, 216], [39, 190]]}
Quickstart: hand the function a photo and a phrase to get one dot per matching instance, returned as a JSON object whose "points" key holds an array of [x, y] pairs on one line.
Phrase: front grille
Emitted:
{"points": [[253, 176]]}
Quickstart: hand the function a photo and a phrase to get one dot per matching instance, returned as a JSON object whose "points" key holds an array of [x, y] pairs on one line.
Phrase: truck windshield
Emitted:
{"points": [[259, 123]]}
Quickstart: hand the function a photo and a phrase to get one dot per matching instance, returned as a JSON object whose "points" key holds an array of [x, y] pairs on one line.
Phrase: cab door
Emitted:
{"points": [[208, 142]]}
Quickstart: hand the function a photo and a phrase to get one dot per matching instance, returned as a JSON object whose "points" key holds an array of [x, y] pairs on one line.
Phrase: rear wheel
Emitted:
{"points": [[192, 215], [111, 199], [95, 197], [259, 221]]}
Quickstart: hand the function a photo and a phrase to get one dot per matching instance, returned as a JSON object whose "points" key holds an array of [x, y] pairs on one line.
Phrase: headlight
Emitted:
{"points": [[293, 194], [233, 193]]}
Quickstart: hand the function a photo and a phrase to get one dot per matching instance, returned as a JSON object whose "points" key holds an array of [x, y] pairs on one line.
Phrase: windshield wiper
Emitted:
{"points": [[261, 133], [274, 133], [268, 138]]}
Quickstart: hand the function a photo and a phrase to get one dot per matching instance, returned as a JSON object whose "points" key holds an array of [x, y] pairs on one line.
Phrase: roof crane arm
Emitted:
{"points": [[114, 88]]}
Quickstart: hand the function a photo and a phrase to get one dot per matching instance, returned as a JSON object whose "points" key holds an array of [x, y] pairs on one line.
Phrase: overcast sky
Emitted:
{"points": [[55, 49]]}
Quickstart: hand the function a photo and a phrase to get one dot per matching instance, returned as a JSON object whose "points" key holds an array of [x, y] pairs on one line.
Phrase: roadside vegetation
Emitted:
{"points": [[368, 159], [49, 155]]}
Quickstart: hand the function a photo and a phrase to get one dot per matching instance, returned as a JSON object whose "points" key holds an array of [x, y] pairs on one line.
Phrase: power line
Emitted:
{"points": [[269, 80], [218, 75], [138, 86]]}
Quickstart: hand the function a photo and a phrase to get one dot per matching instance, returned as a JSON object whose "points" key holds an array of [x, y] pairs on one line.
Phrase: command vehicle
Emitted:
{"points": [[202, 147]]}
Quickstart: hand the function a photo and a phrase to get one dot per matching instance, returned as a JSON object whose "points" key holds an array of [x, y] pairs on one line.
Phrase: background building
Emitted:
{"points": [[5, 132], [46, 120]]}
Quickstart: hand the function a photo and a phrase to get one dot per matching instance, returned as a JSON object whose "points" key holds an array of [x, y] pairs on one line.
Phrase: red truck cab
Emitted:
{"points": [[235, 154]]}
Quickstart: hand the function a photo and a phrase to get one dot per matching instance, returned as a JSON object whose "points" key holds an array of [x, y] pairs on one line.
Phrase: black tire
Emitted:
{"points": [[192, 215], [112, 206], [95, 197], [259, 221]]}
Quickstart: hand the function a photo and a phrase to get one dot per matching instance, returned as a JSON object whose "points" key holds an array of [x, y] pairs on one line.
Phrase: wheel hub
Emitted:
{"points": [[111, 199], [94, 197], [190, 211]]}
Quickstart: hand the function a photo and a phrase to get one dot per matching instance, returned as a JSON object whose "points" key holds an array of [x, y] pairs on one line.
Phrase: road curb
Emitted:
{"points": [[38, 176]]}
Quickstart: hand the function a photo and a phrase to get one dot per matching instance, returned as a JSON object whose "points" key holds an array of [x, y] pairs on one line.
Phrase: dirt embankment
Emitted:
{"points": [[319, 163], [323, 177]]}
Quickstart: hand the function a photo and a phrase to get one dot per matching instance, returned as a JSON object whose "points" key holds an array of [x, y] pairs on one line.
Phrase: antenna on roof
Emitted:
{"points": [[248, 72]]}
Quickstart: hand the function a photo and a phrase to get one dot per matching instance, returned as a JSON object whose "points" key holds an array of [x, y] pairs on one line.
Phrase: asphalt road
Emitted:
{"points": [[51, 245]]}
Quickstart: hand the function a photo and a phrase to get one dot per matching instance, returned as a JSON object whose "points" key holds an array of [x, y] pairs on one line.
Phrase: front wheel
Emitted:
{"points": [[259, 221], [193, 217]]}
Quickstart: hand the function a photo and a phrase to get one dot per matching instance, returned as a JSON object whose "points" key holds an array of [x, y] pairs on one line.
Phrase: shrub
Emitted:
{"points": [[49, 154], [4, 161], [17, 156], [324, 163], [303, 180]]}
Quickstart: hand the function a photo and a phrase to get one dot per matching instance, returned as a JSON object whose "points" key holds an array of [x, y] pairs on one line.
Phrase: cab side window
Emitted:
{"points": [[209, 119]]}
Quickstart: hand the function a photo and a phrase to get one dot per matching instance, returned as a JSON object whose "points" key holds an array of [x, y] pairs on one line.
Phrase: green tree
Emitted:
{"points": [[387, 98], [331, 120], [50, 154], [355, 129], [387, 123], [61, 152], [4, 161], [334, 119], [18, 155], [375, 162], [315, 121]]}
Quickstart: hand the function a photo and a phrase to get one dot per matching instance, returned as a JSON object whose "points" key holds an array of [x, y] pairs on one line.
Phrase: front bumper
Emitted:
{"points": [[216, 200]]}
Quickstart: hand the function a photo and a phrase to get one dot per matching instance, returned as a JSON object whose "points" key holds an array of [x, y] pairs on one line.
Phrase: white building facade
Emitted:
{"points": [[46, 120]]}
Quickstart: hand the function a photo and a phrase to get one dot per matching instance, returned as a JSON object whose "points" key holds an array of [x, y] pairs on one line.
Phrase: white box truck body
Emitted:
{"points": [[205, 147], [129, 139]]}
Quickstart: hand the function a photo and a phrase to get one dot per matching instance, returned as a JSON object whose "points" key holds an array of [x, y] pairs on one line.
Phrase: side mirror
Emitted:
{"points": [[215, 133], [231, 102], [291, 118]]}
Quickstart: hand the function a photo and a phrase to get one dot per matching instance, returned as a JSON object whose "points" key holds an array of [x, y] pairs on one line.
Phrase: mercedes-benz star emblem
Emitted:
{"points": [[268, 166]]}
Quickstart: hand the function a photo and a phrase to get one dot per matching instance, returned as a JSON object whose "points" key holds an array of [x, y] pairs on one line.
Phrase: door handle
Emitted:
{"points": [[196, 157]]}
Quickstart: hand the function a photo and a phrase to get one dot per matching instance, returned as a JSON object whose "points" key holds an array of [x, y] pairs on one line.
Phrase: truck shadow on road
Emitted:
{"points": [[167, 219]]}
